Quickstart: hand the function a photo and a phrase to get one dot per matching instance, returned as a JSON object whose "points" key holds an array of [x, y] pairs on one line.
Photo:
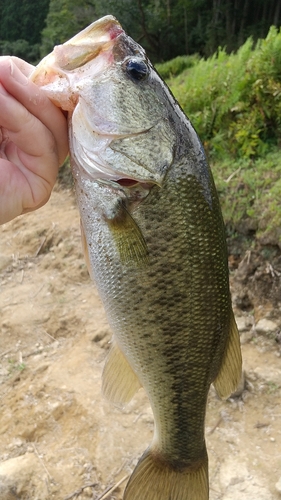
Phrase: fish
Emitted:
{"points": [[154, 241]]}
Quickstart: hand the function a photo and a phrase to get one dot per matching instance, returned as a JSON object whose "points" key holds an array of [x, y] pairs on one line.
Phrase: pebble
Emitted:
{"points": [[265, 326], [242, 324], [5, 261], [269, 374], [20, 473], [278, 486], [88, 492], [238, 483], [246, 336]]}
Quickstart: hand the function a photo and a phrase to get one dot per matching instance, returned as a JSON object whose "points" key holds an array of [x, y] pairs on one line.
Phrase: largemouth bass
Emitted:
{"points": [[155, 245]]}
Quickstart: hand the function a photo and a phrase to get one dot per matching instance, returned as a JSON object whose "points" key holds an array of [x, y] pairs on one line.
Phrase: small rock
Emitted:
{"points": [[88, 492], [246, 337], [270, 375], [278, 486], [16, 443], [5, 261], [22, 474], [239, 484], [278, 337], [265, 326], [242, 324]]}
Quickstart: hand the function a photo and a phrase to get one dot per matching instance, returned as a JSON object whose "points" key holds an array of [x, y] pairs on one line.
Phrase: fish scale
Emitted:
{"points": [[158, 317], [154, 242]]}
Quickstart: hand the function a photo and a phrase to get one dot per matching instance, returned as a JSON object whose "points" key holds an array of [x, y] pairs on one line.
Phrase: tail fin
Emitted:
{"points": [[153, 479]]}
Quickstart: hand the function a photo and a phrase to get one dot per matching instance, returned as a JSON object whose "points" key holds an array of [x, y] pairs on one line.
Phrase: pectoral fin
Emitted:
{"points": [[85, 248], [230, 372], [128, 238], [119, 381]]}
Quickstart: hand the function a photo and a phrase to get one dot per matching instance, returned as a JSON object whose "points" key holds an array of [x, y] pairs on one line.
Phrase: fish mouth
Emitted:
{"points": [[126, 182], [132, 190], [57, 71]]}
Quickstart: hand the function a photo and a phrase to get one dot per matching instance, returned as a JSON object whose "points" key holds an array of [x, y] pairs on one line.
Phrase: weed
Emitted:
{"points": [[15, 366]]}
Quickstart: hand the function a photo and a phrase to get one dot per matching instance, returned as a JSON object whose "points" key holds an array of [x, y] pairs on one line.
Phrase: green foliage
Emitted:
{"points": [[166, 28], [23, 20], [65, 18], [249, 192], [21, 48], [14, 366], [176, 66], [234, 101]]}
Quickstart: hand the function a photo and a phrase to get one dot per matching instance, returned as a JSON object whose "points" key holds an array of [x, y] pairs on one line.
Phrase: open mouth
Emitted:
{"points": [[127, 182]]}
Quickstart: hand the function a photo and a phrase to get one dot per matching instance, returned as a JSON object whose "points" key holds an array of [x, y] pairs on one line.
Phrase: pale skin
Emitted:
{"points": [[33, 141]]}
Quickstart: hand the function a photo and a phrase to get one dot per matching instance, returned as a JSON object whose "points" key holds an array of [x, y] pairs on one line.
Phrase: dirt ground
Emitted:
{"points": [[59, 439]]}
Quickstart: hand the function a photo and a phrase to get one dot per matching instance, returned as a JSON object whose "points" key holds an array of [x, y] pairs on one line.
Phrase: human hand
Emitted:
{"points": [[33, 141]]}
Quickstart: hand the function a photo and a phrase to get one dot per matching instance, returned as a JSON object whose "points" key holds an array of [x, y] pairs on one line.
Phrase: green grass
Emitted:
{"points": [[176, 66], [250, 192], [234, 103]]}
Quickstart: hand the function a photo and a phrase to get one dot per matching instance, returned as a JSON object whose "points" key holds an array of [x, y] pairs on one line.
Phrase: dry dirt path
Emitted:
{"points": [[59, 439]]}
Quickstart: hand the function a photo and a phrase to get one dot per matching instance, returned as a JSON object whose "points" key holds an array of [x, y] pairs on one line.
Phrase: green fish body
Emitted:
{"points": [[155, 245]]}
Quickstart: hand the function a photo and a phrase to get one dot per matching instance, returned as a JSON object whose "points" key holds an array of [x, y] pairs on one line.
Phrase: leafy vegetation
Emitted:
{"points": [[22, 49], [168, 28], [249, 192], [224, 73], [176, 66], [234, 102], [65, 18], [165, 28], [21, 26]]}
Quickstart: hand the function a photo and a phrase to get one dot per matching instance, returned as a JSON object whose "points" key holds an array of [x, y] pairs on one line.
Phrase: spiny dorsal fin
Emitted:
{"points": [[230, 372], [119, 381]]}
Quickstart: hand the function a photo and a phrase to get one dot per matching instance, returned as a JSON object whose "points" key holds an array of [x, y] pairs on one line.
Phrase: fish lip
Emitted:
{"points": [[107, 24], [102, 32]]}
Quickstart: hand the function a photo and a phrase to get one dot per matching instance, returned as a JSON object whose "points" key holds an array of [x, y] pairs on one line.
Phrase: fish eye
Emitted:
{"points": [[137, 70]]}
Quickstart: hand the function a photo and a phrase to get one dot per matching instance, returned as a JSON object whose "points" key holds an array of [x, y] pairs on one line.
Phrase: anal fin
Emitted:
{"points": [[119, 381], [230, 372]]}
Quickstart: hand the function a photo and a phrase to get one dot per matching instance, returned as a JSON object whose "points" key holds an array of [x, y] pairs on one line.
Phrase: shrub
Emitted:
{"points": [[234, 101]]}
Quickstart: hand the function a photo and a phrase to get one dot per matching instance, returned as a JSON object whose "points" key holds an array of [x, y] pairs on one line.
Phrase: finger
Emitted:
{"points": [[36, 102], [23, 128], [30, 147], [23, 66]]}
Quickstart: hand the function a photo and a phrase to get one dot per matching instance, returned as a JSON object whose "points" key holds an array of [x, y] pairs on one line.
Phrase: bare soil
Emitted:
{"points": [[59, 439]]}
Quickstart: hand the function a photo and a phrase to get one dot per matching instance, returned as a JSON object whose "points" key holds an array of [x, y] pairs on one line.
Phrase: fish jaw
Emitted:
{"points": [[60, 72], [77, 76]]}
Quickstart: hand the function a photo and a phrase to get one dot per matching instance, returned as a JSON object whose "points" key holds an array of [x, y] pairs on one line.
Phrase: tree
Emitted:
{"points": [[65, 18], [23, 20], [167, 28]]}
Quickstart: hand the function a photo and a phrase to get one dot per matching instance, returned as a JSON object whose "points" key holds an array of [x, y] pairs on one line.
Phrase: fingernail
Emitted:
{"points": [[17, 74]]}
